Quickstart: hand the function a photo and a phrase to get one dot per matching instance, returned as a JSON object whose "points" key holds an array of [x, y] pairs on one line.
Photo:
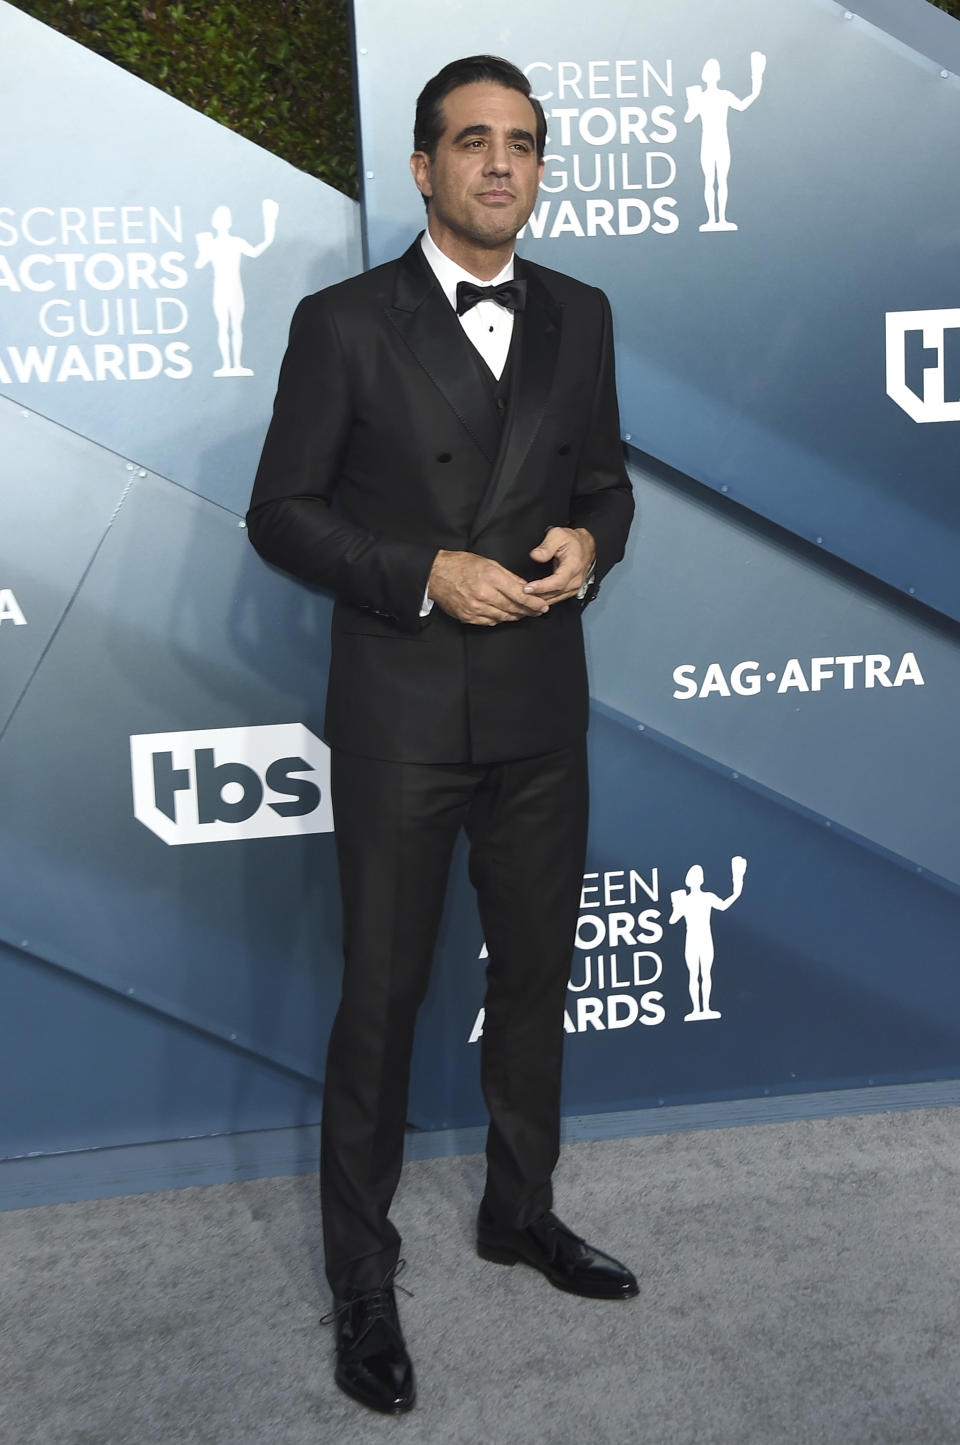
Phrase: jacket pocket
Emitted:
{"points": [[365, 622]]}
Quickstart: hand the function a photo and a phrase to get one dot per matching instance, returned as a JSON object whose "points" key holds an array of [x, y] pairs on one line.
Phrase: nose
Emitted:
{"points": [[498, 159]]}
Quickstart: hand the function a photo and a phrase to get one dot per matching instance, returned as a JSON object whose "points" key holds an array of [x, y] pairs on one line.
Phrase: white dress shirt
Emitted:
{"points": [[488, 325]]}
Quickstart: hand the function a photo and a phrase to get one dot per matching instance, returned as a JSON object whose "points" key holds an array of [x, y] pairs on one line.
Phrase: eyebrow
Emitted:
{"points": [[517, 133]]}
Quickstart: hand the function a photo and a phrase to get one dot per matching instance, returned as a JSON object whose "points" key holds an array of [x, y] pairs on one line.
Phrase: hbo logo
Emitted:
{"points": [[222, 783]]}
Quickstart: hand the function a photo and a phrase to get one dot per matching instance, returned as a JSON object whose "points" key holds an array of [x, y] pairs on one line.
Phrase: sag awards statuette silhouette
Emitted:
{"points": [[713, 106], [695, 908], [224, 252]]}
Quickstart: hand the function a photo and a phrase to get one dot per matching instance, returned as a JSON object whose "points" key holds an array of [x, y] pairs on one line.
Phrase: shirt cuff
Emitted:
{"points": [[426, 606]]}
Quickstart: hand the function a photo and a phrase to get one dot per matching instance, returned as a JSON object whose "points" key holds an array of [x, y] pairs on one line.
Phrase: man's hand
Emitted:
{"points": [[478, 590], [572, 550]]}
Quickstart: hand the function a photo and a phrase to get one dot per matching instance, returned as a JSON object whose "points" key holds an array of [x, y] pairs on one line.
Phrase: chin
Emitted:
{"points": [[498, 234]]}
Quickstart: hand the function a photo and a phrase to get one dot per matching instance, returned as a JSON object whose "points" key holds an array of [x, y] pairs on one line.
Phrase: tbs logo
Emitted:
{"points": [[223, 783]]}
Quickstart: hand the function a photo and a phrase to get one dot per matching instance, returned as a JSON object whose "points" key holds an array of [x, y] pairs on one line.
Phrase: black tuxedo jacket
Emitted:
{"points": [[385, 446]]}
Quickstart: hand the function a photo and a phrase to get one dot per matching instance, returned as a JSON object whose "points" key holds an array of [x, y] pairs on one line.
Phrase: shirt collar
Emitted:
{"points": [[448, 273]]}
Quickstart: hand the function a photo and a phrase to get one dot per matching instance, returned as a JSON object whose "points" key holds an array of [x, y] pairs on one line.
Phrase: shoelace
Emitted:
{"points": [[376, 1299]]}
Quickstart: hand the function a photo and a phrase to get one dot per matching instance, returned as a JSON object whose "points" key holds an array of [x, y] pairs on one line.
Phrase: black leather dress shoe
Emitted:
{"points": [[567, 1261], [373, 1366]]}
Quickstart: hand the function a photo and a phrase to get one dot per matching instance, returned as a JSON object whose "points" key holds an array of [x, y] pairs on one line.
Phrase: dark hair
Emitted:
{"points": [[429, 121]]}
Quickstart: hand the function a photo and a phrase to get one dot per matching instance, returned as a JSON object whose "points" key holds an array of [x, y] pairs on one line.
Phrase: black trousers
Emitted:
{"points": [[396, 824]]}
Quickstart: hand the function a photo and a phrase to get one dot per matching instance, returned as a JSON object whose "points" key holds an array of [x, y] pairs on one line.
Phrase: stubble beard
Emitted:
{"points": [[489, 231]]}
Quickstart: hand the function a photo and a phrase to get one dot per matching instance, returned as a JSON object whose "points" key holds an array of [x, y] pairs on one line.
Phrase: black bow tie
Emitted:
{"points": [[511, 294]]}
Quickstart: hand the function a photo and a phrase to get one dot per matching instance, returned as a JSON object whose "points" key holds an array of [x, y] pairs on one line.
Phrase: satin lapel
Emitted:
{"points": [[428, 324], [533, 368]]}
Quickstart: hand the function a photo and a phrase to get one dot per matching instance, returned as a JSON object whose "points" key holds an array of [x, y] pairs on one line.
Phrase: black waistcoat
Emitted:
{"points": [[498, 388]]}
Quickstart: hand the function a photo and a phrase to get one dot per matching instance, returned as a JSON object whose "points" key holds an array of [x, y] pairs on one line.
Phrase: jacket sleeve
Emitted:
{"points": [[602, 495], [292, 520]]}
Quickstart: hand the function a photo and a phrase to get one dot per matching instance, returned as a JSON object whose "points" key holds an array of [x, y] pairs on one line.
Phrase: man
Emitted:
{"points": [[447, 459]]}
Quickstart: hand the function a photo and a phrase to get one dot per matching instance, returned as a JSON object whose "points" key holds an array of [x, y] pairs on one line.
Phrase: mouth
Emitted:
{"points": [[496, 197]]}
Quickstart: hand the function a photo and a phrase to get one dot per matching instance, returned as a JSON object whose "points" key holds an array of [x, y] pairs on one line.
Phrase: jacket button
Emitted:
{"points": [[562, 451], [444, 457]]}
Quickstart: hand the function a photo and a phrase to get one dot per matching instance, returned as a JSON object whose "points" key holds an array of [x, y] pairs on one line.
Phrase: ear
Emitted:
{"points": [[420, 170]]}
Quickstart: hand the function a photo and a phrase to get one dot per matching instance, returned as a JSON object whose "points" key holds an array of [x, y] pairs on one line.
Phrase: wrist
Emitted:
{"points": [[588, 543], [436, 570]]}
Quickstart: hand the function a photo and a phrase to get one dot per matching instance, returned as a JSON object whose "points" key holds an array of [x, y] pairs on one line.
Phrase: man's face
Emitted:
{"points": [[483, 180]]}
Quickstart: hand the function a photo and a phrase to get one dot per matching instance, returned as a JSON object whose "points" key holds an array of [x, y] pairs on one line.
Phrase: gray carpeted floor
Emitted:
{"points": [[799, 1283]]}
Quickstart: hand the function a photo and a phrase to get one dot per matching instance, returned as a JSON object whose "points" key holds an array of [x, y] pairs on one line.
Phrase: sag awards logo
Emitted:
{"points": [[923, 363], [610, 168], [220, 784], [618, 977], [115, 292]]}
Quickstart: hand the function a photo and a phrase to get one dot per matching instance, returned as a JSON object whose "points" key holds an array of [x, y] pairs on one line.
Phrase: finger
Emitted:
{"points": [[550, 545], [552, 598], [503, 587], [566, 579], [516, 600], [489, 591], [521, 606], [553, 542], [500, 607], [490, 616], [535, 607]]}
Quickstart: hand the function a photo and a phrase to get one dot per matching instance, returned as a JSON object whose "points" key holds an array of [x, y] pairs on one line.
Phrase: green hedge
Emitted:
{"points": [[276, 71]]}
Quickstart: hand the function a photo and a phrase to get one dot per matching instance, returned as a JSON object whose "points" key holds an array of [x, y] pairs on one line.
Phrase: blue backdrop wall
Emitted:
{"points": [[775, 668]]}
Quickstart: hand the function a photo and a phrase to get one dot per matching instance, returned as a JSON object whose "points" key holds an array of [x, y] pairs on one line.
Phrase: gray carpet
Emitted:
{"points": [[799, 1283]]}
